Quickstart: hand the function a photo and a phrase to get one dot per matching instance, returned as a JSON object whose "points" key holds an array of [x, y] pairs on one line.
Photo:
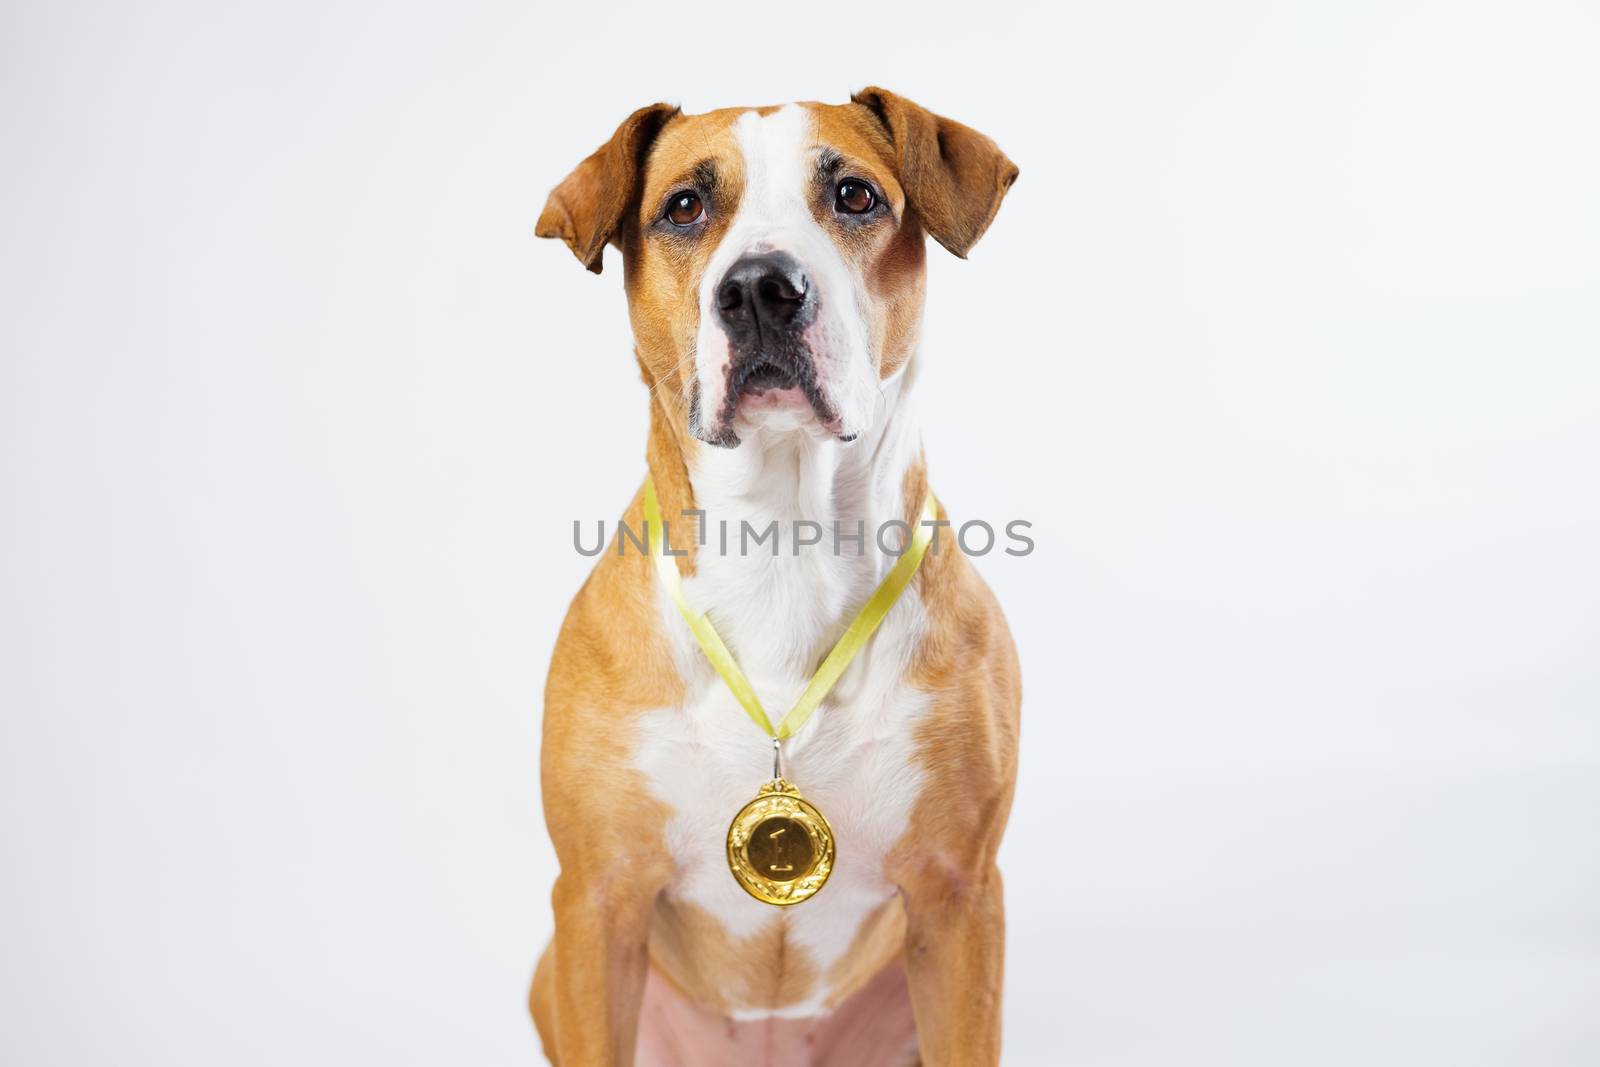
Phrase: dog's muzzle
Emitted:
{"points": [[765, 302]]}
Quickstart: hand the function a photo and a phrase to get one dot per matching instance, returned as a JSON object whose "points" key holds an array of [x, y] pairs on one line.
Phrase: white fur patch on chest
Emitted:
{"points": [[855, 759]]}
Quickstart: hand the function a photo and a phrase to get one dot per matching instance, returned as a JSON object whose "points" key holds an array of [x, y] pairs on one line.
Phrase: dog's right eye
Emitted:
{"points": [[684, 209]]}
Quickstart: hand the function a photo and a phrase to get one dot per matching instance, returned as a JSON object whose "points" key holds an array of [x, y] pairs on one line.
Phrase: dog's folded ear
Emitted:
{"points": [[586, 210], [954, 176]]}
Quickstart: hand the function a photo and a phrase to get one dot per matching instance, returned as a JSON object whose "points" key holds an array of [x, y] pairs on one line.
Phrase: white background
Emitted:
{"points": [[1286, 341]]}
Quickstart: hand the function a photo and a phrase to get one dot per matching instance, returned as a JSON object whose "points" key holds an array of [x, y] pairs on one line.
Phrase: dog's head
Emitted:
{"points": [[773, 257]]}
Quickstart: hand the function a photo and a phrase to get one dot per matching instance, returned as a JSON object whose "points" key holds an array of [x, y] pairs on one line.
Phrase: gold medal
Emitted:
{"points": [[780, 848]]}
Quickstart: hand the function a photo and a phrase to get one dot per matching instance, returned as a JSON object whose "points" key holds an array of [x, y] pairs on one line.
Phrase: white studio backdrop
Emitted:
{"points": [[1286, 342]]}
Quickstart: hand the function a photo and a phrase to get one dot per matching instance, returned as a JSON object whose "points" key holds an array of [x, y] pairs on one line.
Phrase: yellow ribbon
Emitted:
{"points": [[854, 640]]}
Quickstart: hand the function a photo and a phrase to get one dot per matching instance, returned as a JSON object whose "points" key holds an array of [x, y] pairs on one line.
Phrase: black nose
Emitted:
{"points": [[764, 294]]}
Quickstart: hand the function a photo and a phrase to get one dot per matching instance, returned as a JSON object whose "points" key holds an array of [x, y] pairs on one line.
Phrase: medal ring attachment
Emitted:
{"points": [[780, 848]]}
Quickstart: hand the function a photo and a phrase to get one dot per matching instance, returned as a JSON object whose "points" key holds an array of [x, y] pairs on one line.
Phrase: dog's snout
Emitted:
{"points": [[763, 293]]}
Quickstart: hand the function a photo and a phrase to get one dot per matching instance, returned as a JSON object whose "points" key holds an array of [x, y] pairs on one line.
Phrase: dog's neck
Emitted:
{"points": [[779, 613]]}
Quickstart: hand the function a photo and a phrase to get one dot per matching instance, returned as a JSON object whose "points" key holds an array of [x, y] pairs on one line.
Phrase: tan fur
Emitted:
{"points": [[586, 210], [662, 278], [954, 175], [877, 943], [765, 971], [611, 664], [955, 936]]}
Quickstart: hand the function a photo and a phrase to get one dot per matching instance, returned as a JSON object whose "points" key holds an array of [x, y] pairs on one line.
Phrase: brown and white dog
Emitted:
{"points": [[774, 269]]}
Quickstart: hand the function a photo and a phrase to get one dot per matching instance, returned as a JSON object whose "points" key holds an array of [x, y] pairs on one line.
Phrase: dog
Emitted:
{"points": [[774, 264]]}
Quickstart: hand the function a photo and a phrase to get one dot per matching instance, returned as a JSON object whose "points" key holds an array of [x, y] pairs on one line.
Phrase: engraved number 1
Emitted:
{"points": [[773, 837]]}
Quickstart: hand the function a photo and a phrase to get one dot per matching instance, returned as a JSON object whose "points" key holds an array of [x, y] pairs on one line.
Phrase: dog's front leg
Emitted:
{"points": [[600, 962], [955, 949]]}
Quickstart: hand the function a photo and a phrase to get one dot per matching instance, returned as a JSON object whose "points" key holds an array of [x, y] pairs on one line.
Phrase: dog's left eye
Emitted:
{"points": [[684, 209], [855, 197]]}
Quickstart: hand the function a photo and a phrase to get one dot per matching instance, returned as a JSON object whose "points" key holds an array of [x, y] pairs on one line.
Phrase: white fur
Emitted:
{"points": [[855, 758]]}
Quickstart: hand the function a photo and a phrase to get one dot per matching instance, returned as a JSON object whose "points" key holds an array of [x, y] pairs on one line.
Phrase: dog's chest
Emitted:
{"points": [[855, 760]]}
